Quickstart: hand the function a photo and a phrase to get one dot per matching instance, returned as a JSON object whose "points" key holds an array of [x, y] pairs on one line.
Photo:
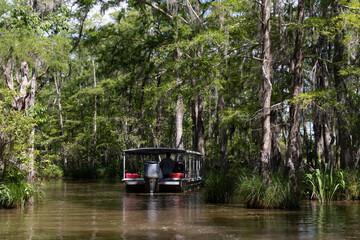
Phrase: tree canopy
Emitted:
{"points": [[260, 84]]}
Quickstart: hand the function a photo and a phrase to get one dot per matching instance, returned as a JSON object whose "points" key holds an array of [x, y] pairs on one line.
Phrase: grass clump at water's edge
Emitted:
{"points": [[252, 190], [217, 187], [17, 194]]}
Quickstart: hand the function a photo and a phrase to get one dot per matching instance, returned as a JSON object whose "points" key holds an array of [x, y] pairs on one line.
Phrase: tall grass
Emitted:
{"points": [[217, 187], [255, 192], [325, 183], [17, 194]]}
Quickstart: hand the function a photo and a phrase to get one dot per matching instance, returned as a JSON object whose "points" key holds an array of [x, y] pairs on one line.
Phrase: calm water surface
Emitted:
{"points": [[98, 210]]}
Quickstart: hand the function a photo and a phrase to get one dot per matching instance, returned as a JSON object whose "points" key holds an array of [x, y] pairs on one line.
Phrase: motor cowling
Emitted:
{"points": [[151, 175], [152, 169]]}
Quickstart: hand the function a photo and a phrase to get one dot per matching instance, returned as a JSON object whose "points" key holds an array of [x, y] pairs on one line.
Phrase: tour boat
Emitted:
{"points": [[152, 170]]}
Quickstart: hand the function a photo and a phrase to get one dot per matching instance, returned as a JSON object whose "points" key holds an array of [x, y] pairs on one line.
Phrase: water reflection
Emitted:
{"points": [[102, 210]]}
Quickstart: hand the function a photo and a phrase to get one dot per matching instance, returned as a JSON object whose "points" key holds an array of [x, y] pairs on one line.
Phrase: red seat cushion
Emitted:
{"points": [[177, 175], [132, 175]]}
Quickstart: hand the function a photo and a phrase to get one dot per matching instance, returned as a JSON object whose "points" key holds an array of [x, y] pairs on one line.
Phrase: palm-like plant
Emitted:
{"points": [[325, 183]]}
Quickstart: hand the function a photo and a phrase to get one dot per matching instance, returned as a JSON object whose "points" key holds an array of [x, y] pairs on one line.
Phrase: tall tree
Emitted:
{"points": [[293, 154], [346, 157], [266, 89], [25, 65]]}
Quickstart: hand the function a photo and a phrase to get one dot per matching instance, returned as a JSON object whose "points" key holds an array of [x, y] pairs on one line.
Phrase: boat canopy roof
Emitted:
{"points": [[155, 151]]}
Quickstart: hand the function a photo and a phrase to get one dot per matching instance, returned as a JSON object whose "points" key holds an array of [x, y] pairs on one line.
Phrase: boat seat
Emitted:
{"points": [[176, 175], [132, 175]]}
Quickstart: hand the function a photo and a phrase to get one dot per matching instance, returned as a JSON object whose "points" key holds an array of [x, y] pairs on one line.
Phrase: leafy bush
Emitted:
{"points": [[217, 187], [253, 190], [51, 171], [16, 194], [325, 183], [352, 186]]}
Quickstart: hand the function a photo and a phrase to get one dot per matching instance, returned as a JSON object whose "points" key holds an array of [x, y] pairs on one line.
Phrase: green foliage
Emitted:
{"points": [[51, 171], [325, 183], [217, 187], [15, 128], [251, 189], [352, 185], [17, 194]]}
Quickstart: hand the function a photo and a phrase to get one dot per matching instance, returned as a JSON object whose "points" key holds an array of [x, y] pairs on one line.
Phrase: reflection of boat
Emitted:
{"points": [[144, 170]]}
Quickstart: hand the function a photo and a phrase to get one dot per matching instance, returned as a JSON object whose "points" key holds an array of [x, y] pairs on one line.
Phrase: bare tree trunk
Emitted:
{"points": [[275, 142], [319, 136], [95, 112], [223, 139], [221, 99], [293, 154], [198, 122], [307, 144], [31, 171], [58, 94], [200, 126], [266, 91], [195, 115], [328, 140], [179, 116]]}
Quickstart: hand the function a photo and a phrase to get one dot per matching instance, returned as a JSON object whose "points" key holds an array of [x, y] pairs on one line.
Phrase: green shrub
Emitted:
{"points": [[325, 183], [352, 185], [252, 190], [16, 194], [51, 171], [217, 187]]}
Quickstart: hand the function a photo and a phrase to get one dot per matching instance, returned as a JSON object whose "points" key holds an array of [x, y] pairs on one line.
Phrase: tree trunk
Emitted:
{"points": [[179, 115], [266, 91], [195, 115], [275, 142], [25, 98], [58, 94], [221, 99], [293, 154], [223, 139], [346, 158], [95, 112], [200, 126]]}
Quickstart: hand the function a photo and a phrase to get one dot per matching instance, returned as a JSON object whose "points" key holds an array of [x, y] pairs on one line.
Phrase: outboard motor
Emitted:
{"points": [[151, 175]]}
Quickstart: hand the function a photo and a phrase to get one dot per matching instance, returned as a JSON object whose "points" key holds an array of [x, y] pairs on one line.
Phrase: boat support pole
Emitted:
{"points": [[123, 165]]}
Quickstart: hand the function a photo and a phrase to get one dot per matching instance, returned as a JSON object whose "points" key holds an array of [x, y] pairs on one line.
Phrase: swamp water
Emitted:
{"points": [[98, 210]]}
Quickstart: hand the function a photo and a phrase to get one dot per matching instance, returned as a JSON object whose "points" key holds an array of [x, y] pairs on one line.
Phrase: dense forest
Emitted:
{"points": [[266, 86]]}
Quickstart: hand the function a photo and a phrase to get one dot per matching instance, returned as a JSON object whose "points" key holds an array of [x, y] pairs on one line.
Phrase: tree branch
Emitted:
{"points": [[42, 84], [80, 30], [156, 8], [252, 57], [161, 10]]}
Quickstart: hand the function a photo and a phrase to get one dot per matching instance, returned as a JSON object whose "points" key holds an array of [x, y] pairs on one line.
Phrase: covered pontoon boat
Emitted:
{"points": [[144, 170]]}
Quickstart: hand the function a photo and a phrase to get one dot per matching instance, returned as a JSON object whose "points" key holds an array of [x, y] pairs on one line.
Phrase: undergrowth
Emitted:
{"points": [[325, 182], [17, 194], [217, 187]]}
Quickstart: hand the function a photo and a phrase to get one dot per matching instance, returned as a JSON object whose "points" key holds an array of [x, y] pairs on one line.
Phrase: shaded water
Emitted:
{"points": [[95, 210]]}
